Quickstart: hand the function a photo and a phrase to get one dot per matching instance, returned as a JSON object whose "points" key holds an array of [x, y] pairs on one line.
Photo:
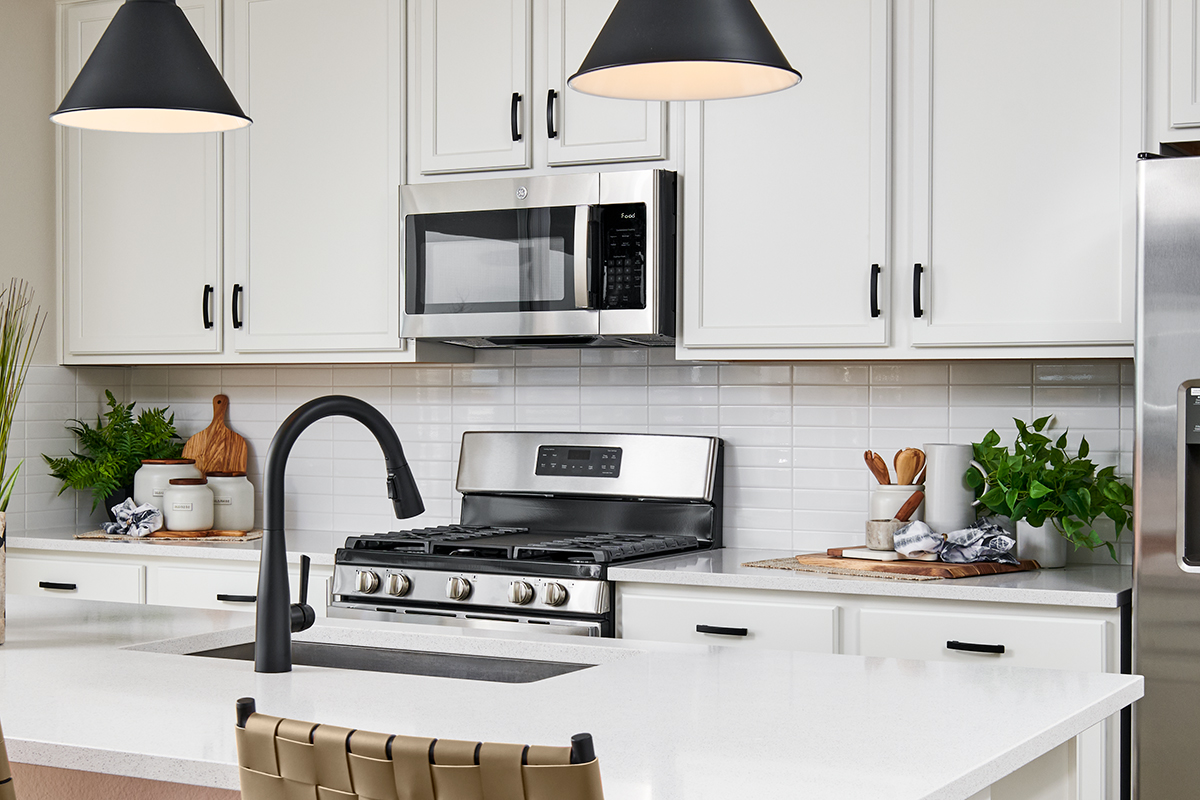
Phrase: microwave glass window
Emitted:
{"points": [[491, 261]]}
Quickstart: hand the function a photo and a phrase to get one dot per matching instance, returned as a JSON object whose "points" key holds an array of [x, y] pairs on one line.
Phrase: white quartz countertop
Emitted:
{"points": [[318, 545], [670, 721], [1095, 586]]}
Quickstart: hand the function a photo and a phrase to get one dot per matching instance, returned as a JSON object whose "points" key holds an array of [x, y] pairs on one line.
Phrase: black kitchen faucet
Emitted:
{"points": [[277, 618]]}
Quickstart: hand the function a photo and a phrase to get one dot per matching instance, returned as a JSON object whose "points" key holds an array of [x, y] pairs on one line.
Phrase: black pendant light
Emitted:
{"points": [[150, 73], [684, 50]]}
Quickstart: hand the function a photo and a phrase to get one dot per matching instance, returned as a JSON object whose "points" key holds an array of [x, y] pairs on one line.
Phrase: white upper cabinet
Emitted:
{"points": [[1026, 122], [1184, 64], [469, 84], [786, 202], [312, 203], [487, 90], [139, 220], [582, 128]]}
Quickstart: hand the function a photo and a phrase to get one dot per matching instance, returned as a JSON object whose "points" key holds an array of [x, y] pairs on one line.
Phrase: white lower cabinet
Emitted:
{"points": [[989, 634], [76, 578], [167, 580], [220, 586], [728, 617]]}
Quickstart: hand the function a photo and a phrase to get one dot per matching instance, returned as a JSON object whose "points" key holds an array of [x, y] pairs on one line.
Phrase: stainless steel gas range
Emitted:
{"points": [[543, 517]]}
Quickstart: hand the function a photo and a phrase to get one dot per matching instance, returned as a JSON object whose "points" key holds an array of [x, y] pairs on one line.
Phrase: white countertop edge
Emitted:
{"points": [[130, 765], [672, 570], [978, 779], [65, 541]]}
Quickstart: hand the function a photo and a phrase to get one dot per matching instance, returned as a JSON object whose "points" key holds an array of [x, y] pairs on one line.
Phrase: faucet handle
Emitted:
{"points": [[302, 613]]}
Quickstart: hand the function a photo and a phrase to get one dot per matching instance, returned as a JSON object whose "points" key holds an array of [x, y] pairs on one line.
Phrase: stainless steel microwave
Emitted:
{"points": [[563, 260]]}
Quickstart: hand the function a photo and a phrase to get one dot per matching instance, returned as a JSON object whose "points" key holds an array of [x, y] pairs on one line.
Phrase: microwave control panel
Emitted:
{"points": [[623, 256]]}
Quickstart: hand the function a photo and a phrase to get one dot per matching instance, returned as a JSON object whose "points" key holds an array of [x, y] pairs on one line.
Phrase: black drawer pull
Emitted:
{"points": [[875, 291], [972, 647], [720, 631], [65, 587], [513, 116], [237, 598], [551, 133], [206, 306], [918, 311]]}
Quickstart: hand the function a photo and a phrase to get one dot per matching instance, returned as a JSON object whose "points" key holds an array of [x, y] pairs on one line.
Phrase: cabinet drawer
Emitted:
{"points": [[85, 580], [1028, 641], [741, 621], [233, 589]]}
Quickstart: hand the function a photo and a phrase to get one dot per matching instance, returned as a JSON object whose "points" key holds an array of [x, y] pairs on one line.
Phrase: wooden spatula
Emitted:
{"points": [[216, 448]]}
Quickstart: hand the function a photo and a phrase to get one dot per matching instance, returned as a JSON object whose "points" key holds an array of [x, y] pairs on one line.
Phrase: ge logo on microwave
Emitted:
{"points": [[522, 192]]}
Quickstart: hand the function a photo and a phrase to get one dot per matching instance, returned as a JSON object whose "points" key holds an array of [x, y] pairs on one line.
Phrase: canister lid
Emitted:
{"points": [[227, 474], [168, 461], [188, 481]]}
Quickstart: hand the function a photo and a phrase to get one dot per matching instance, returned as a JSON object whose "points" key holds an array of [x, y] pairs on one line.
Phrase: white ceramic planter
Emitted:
{"points": [[1044, 545]]}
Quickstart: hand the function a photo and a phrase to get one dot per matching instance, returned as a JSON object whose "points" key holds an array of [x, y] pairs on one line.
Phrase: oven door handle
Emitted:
{"points": [[583, 246]]}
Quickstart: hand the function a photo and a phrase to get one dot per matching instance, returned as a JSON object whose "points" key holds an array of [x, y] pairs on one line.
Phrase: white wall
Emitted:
{"points": [[27, 154], [795, 477]]}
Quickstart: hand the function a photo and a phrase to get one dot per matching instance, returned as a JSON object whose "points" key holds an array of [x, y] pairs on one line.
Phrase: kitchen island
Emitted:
{"points": [[80, 688]]}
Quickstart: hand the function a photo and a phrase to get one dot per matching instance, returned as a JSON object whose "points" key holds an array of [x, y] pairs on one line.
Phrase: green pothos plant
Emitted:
{"points": [[1040, 481]]}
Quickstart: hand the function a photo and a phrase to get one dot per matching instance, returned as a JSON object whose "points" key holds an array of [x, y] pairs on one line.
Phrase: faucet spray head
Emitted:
{"points": [[402, 489]]}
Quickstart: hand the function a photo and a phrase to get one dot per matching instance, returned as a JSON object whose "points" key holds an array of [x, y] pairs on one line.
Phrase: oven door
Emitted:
{"points": [[500, 258], [496, 621]]}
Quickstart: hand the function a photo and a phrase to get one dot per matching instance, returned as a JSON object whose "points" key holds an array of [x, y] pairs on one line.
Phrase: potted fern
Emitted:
{"points": [[111, 452], [20, 331], [1048, 491]]}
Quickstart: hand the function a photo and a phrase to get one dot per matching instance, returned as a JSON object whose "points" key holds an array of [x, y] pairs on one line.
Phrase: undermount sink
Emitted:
{"points": [[408, 662]]}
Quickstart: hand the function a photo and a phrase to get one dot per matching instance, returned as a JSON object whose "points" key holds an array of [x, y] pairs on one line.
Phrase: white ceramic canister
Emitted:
{"points": [[188, 505], [233, 501], [949, 502], [150, 481], [886, 500]]}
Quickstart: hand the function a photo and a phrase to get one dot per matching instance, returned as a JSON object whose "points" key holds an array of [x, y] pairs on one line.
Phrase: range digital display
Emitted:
{"points": [[587, 462]]}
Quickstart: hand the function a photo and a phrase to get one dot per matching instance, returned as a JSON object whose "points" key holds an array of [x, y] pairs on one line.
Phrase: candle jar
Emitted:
{"points": [[150, 481], [233, 501], [188, 505]]}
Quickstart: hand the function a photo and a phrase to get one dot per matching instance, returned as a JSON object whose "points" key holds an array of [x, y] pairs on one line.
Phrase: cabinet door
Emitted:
{"points": [[1026, 125], [75, 578], [786, 200], [468, 85], [1184, 63], [726, 617], [580, 128], [313, 210], [140, 219]]}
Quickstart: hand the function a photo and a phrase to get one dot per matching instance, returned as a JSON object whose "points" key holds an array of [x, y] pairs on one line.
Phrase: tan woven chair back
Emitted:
{"points": [[283, 759], [6, 782]]}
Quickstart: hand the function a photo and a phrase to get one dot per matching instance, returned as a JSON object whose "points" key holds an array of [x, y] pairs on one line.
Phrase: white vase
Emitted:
{"points": [[1044, 545]]}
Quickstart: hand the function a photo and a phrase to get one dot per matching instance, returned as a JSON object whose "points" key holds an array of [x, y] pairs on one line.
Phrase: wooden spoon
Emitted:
{"points": [[910, 505], [881, 470], [873, 464], [908, 463]]}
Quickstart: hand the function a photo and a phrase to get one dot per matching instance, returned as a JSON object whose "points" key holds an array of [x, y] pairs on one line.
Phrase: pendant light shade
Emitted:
{"points": [[684, 50], [150, 73]]}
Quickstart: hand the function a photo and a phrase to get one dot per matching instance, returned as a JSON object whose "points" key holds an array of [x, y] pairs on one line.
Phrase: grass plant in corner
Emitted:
{"points": [[110, 453], [1041, 481]]}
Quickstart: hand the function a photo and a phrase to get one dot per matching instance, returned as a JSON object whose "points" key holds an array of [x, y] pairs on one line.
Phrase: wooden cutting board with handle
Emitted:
{"points": [[216, 448], [928, 569]]}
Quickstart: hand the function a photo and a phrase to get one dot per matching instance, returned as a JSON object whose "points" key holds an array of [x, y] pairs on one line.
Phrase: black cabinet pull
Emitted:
{"points": [[237, 305], [720, 631], [206, 306], [918, 312], [64, 587], [550, 132], [516, 104], [237, 598], [875, 290], [972, 647]]}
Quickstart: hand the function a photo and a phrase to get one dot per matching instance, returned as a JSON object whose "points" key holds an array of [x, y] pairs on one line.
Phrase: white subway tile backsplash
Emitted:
{"points": [[795, 433]]}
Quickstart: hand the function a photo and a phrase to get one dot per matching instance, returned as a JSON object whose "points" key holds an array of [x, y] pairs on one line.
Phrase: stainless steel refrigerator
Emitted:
{"points": [[1166, 593]]}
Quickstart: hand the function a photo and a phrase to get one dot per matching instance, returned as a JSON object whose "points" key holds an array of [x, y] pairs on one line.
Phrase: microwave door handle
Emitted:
{"points": [[582, 248]]}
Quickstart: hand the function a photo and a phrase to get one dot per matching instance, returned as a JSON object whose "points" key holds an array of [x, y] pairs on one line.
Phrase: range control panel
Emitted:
{"points": [[594, 462]]}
